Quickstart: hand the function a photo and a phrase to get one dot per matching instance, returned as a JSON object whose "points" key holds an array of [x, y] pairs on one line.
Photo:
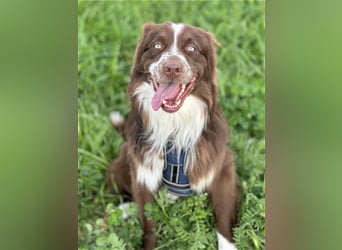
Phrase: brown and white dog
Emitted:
{"points": [[176, 134]]}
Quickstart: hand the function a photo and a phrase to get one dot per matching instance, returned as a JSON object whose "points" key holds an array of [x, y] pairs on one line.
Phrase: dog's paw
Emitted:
{"points": [[224, 244]]}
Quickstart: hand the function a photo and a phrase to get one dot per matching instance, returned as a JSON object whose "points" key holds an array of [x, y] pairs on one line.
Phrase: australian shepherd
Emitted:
{"points": [[176, 134]]}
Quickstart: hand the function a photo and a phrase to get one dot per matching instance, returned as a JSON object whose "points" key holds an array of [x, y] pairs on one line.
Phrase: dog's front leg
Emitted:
{"points": [[224, 200], [142, 195], [146, 180], [224, 205]]}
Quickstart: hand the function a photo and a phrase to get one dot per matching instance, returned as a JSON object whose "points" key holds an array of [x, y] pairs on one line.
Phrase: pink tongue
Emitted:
{"points": [[165, 91]]}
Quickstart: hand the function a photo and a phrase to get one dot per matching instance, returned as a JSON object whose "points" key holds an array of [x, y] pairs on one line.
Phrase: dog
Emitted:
{"points": [[176, 134]]}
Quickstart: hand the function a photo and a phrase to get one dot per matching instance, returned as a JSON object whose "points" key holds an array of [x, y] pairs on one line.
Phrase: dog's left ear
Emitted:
{"points": [[212, 45], [137, 68]]}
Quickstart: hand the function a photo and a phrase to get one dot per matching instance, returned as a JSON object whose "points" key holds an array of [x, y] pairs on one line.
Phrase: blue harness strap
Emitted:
{"points": [[174, 176]]}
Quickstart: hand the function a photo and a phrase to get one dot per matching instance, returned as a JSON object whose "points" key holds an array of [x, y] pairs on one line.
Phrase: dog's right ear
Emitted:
{"points": [[137, 68]]}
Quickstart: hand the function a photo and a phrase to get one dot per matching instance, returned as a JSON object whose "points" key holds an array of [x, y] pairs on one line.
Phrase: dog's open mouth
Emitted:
{"points": [[170, 96]]}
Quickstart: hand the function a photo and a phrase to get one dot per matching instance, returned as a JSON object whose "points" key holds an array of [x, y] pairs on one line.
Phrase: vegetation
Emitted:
{"points": [[108, 32]]}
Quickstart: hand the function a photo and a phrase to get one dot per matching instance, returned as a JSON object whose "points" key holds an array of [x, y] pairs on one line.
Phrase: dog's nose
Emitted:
{"points": [[173, 69]]}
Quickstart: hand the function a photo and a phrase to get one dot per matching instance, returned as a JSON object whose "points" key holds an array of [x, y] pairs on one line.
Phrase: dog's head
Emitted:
{"points": [[177, 60]]}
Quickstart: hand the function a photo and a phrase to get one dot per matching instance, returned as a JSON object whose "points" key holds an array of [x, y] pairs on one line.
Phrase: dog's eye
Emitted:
{"points": [[158, 46], [190, 48]]}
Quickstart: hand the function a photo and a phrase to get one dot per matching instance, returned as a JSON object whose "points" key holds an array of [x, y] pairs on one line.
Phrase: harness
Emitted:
{"points": [[174, 176]]}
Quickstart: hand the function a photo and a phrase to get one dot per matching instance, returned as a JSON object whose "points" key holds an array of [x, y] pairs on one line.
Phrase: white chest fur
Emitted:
{"points": [[185, 126]]}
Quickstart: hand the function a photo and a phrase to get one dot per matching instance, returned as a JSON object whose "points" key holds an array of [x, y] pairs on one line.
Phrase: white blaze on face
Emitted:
{"points": [[176, 29]]}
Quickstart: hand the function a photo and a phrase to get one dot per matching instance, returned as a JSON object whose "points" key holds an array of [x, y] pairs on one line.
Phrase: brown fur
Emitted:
{"points": [[211, 150]]}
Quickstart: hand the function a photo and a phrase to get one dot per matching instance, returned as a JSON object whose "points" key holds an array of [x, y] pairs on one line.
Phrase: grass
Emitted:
{"points": [[108, 32]]}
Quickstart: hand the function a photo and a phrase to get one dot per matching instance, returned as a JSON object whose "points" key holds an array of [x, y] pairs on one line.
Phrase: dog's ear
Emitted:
{"points": [[137, 68], [212, 45]]}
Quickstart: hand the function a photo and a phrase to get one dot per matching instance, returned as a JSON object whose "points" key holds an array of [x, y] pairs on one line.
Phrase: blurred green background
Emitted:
{"points": [[107, 36]]}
